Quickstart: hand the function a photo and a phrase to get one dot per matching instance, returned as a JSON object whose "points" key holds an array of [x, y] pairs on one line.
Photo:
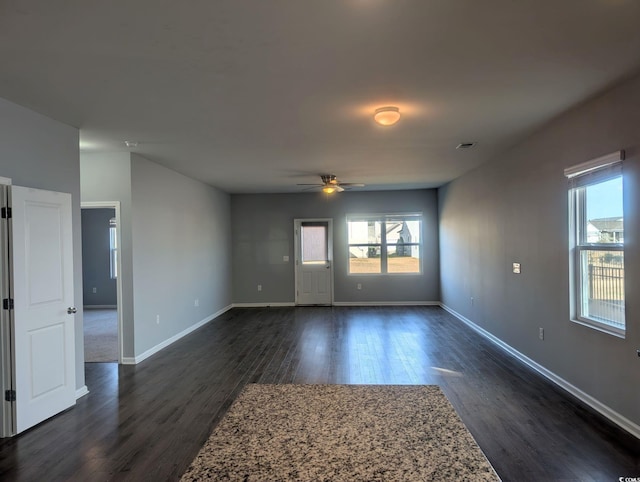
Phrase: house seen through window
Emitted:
{"points": [[385, 244]]}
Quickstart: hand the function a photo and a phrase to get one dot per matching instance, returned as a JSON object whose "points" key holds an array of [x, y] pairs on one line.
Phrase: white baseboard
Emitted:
{"points": [[598, 406], [100, 307], [152, 351], [342, 303], [81, 392], [386, 303]]}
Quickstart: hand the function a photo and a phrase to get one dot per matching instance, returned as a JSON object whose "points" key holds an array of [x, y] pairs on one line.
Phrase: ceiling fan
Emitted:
{"points": [[330, 184]]}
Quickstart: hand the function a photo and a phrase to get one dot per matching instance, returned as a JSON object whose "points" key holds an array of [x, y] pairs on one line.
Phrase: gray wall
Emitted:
{"points": [[182, 248], [262, 230], [514, 209], [175, 245], [38, 152], [96, 258], [106, 176]]}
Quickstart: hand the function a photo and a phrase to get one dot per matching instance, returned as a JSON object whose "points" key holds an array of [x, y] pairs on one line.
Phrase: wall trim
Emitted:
{"points": [[100, 307], [152, 351], [263, 305], [387, 303], [594, 403], [340, 303], [82, 391]]}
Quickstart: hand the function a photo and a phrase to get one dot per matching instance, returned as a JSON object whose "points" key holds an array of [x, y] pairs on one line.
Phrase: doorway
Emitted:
{"points": [[314, 261], [101, 282]]}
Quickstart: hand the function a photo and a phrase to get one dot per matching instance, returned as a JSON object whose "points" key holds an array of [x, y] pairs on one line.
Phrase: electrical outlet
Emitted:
{"points": [[196, 302], [95, 290], [259, 287], [516, 268], [359, 286], [285, 259], [158, 319], [541, 333]]}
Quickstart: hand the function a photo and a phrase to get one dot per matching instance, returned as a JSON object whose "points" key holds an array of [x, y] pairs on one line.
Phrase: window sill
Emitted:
{"points": [[609, 330]]}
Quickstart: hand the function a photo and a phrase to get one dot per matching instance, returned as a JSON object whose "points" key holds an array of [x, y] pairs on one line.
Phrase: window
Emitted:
{"points": [[314, 242], [113, 249], [384, 244], [597, 243]]}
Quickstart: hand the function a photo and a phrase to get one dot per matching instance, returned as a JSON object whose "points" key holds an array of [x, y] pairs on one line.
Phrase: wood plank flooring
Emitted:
{"points": [[147, 422]]}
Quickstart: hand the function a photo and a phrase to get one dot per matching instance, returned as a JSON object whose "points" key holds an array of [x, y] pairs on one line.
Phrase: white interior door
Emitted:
{"points": [[44, 336], [314, 267]]}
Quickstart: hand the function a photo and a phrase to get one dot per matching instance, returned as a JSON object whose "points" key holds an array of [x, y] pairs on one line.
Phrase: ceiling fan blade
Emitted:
{"points": [[339, 188], [319, 185], [352, 184]]}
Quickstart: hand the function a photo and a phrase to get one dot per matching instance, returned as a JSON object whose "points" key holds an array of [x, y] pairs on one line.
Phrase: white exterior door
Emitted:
{"points": [[44, 335], [314, 267]]}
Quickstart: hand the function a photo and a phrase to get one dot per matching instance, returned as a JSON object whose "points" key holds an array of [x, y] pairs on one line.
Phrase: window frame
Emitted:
{"points": [[113, 248], [384, 244], [580, 177]]}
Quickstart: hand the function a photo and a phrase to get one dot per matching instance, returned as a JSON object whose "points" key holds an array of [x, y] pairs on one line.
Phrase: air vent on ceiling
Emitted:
{"points": [[466, 145]]}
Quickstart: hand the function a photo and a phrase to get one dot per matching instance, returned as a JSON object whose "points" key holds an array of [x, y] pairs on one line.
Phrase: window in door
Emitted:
{"points": [[313, 241]]}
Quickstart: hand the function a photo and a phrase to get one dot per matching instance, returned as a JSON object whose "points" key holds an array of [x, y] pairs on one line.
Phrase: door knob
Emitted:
{"points": [[72, 310]]}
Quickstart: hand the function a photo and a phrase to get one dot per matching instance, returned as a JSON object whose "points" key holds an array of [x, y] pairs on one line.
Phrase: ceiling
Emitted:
{"points": [[259, 95]]}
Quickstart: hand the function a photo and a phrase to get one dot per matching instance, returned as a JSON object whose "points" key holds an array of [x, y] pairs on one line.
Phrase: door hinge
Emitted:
{"points": [[7, 304], [10, 395], [6, 213]]}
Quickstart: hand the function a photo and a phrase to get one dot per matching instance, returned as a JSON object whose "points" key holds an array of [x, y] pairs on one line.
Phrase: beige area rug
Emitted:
{"points": [[341, 433], [100, 335]]}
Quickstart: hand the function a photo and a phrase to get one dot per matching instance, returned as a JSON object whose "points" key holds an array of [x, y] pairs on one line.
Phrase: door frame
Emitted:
{"points": [[7, 417], [297, 223], [113, 205]]}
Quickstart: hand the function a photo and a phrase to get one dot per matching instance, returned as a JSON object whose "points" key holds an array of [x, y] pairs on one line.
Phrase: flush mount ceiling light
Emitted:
{"points": [[387, 116], [328, 189]]}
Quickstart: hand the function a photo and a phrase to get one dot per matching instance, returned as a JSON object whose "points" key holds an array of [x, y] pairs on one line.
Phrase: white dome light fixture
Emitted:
{"points": [[387, 116]]}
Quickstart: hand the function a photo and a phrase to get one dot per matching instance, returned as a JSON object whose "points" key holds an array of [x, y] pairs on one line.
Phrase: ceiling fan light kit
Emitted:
{"points": [[330, 184], [387, 116]]}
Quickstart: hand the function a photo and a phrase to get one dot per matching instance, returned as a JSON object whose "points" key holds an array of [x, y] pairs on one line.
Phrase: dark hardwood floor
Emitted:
{"points": [[147, 422]]}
